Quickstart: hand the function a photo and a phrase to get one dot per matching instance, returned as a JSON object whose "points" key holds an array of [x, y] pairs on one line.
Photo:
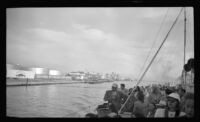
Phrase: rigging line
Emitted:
{"points": [[151, 60], [160, 47], [156, 37], [177, 48]]}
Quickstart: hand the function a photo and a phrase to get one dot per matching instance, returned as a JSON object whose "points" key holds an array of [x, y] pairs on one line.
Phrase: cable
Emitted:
{"points": [[154, 41], [151, 60]]}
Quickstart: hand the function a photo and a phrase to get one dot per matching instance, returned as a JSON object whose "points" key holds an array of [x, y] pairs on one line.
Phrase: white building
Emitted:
{"points": [[17, 71], [54, 72], [40, 72]]}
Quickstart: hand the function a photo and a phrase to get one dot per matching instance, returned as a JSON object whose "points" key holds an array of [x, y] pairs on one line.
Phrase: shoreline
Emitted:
{"points": [[10, 82], [34, 82], [37, 84]]}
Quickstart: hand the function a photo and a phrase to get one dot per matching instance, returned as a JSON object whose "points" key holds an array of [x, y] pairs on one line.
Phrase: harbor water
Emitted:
{"points": [[56, 100]]}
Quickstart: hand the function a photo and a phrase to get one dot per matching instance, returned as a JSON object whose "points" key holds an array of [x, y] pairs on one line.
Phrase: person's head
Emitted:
{"points": [[173, 101], [155, 90], [140, 96], [138, 89], [189, 104], [168, 91], [181, 91], [122, 86], [114, 87], [130, 90]]}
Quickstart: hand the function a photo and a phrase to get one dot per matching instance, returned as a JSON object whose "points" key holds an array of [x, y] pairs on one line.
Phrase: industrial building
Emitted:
{"points": [[55, 74], [77, 75], [18, 71], [41, 72]]}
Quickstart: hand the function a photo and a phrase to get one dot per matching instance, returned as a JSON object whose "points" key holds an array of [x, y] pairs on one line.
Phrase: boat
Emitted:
{"points": [[97, 81], [104, 111]]}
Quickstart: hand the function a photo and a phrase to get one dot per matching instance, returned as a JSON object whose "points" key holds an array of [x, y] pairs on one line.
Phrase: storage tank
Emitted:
{"points": [[54, 72], [40, 71]]}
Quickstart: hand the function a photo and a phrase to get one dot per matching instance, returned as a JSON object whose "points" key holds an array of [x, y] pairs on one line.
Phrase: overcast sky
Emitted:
{"points": [[99, 39]]}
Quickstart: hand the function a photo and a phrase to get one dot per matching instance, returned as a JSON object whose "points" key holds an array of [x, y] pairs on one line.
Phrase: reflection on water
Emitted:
{"points": [[61, 100]]}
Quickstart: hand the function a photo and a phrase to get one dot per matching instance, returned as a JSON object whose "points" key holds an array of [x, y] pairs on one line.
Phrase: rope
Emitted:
{"points": [[154, 41], [151, 60]]}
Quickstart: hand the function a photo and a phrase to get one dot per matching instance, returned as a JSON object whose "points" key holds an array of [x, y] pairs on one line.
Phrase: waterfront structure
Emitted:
{"points": [[55, 74], [79, 75], [41, 72], [18, 71]]}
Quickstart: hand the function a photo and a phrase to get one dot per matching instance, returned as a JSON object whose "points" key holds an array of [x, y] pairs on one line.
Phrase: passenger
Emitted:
{"points": [[130, 103], [181, 92], [172, 110], [114, 98], [163, 100], [146, 92], [130, 90], [153, 99], [146, 95], [188, 105], [140, 107], [124, 90], [168, 91], [155, 95], [142, 89]]}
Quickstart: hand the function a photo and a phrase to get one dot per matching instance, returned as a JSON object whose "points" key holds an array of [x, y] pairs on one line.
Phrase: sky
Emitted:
{"points": [[99, 39]]}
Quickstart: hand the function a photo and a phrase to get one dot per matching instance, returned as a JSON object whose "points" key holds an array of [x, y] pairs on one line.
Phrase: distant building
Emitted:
{"points": [[41, 72], [18, 71], [79, 75], [55, 74]]}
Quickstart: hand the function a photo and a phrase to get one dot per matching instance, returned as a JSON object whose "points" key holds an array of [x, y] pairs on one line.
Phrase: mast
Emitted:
{"points": [[184, 79], [120, 110]]}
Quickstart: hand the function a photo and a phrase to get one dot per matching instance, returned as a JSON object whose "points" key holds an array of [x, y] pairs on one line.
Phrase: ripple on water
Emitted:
{"points": [[63, 100]]}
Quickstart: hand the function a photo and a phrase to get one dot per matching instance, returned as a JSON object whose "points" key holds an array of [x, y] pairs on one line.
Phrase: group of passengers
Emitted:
{"points": [[150, 101]]}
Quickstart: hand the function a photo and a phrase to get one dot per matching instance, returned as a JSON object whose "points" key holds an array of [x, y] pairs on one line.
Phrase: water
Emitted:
{"points": [[61, 100]]}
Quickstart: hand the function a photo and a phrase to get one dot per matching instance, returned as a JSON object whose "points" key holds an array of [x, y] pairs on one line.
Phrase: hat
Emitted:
{"points": [[175, 96], [114, 85]]}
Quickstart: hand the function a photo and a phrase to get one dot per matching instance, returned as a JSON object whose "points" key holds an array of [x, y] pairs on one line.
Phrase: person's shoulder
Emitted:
{"points": [[160, 109], [108, 91], [160, 112], [120, 91], [182, 114], [137, 102], [126, 89]]}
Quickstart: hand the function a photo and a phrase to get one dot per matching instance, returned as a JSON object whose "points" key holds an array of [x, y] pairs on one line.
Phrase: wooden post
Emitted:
{"points": [[26, 82]]}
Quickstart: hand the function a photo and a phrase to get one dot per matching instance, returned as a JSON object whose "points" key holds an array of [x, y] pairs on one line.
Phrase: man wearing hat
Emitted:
{"points": [[114, 98]]}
